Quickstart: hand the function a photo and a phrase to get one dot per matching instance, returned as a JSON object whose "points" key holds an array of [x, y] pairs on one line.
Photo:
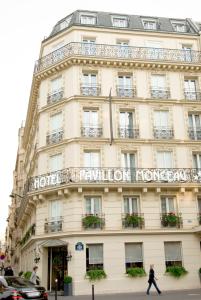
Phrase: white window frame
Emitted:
{"points": [[88, 17], [147, 22], [179, 26], [130, 204], [92, 200], [121, 19], [168, 205]]}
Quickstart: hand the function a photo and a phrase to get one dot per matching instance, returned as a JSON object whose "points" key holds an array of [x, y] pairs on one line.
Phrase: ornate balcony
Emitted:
{"points": [[91, 131], [192, 95], [90, 90], [93, 221], [134, 220], [157, 93], [126, 91], [172, 219], [53, 225], [55, 96], [163, 133], [55, 137], [194, 133], [103, 175], [76, 49], [128, 133]]}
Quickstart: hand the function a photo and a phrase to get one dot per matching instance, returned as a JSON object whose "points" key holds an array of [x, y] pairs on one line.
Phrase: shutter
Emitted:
{"points": [[173, 251], [133, 252], [95, 254]]}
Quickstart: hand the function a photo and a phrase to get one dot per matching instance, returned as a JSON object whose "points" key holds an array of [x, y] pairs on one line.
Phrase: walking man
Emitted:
{"points": [[33, 277], [152, 279]]}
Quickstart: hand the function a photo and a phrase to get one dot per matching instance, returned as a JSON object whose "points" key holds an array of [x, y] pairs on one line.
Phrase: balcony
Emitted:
{"points": [[171, 220], [55, 96], [76, 49], [128, 133], [53, 225], [194, 133], [101, 175], [55, 137], [192, 95], [126, 91], [157, 93], [90, 90], [163, 133], [134, 220], [93, 221], [91, 131]]}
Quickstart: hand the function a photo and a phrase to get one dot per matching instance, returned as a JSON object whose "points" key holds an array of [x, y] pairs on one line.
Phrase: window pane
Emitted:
{"points": [[56, 122], [56, 84], [55, 162], [158, 81], [55, 209]]}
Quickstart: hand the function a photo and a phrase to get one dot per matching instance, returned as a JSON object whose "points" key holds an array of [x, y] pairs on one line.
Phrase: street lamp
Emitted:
{"points": [[14, 194]]}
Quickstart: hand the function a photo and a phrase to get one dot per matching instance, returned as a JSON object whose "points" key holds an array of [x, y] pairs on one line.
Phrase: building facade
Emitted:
{"points": [[112, 156]]}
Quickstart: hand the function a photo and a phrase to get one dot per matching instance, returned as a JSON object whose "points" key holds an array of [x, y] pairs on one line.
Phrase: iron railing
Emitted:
{"points": [[93, 221], [172, 219], [128, 132], [134, 220], [55, 96], [124, 91], [76, 49], [53, 225], [192, 95], [157, 93], [194, 133], [91, 131], [55, 137], [163, 133], [90, 90], [114, 176]]}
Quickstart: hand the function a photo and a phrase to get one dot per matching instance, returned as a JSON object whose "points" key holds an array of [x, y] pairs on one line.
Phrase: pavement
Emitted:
{"points": [[167, 295]]}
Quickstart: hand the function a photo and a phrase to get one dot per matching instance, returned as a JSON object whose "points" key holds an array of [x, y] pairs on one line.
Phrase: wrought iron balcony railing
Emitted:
{"points": [[55, 137], [126, 91], [91, 131], [194, 133], [90, 90], [171, 219], [192, 95], [111, 175], [157, 93], [93, 221], [129, 133], [53, 225], [134, 220], [163, 133], [76, 49], [55, 96]]}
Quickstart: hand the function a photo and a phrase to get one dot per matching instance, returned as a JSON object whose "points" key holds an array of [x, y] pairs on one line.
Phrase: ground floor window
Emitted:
{"points": [[173, 256], [94, 256], [133, 255]]}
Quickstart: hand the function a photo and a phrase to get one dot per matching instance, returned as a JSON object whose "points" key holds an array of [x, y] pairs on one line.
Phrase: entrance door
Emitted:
{"points": [[57, 267]]}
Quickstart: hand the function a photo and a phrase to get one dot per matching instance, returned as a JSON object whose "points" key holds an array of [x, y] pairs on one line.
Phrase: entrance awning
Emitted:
{"points": [[52, 243]]}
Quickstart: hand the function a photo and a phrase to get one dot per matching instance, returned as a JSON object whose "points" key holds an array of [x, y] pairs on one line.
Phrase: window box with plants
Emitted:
{"points": [[68, 290], [95, 274], [176, 271], [133, 220], [135, 272], [93, 221], [171, 220]]}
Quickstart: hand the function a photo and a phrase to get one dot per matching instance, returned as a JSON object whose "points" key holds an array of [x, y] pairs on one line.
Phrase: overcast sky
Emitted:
{"points": [[23, 25]]}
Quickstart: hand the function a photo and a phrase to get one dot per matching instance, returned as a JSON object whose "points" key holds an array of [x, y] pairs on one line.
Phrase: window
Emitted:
{"points": [[158, 87], [167, 205], [125, 86], [179, 27], [93, 205], [55, 85], [89, 85], [89, 79], [149, 24], [55, 210], [190, 89], [194, 126], [55, 162], [154, 50], [120, 22], [173, 255], [91, 159], [56, 122], [65, 23], [126, 119], [187, 52], [94, 256], [88, 46], [128, 161], [90, 118], [123, 49], [126, 125], [161, 118], [164, 159], [87, 20], [58, 52], [197, 161], [133, 255], [131, 205]]}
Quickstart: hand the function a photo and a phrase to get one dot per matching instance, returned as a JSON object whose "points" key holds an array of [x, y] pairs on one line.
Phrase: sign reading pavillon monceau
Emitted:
{"points": [[115, 175]]}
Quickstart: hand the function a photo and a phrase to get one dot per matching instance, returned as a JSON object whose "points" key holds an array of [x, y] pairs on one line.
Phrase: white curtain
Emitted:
{"points": [[91, 159], [91, 118], [55, 162], [128, 160], [55, 209], [130, 205], [133, 252], [190, 85], [161, 118], [126, 119], [93, 205], [164, 159], [173, 251], [158, 81], [95, 254], [167, 204], [55, 122], [197, 161], [125, 81], [56, 84]]}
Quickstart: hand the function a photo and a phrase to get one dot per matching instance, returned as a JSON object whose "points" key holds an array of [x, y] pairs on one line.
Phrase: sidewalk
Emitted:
{"points": [[168, 295]]}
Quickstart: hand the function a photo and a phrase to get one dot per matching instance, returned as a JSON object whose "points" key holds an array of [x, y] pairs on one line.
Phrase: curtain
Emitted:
{"points": [[95, 254], [56, 84], [173, 251], [55, 209], [133, 252], [158, 81], [55, 122], [161, 118], [55, 162]]}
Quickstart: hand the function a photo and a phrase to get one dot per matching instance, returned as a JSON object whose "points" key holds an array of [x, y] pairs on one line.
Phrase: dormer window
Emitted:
{"points": [[120, 22], [179, 27], [149, 24], [88, 19], [65, 23]]}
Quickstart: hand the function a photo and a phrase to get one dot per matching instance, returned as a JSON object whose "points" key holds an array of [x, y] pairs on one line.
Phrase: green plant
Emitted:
{"points": [[96, 274], [176, 271], [170, 219], [133, 220], [136, 272], [67, 279], [28, 234], [27, 275], [92, 221]]}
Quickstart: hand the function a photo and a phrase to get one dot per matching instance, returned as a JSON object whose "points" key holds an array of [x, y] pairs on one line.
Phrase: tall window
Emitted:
{"points": [[197, 161], [56, 85], [158, 87], [164, 159], [161, 118], [87, 19], [123, 49], [128, 161], [131, 205], [125, 81], [56, 162], [133, 255], [90, 118], [190, 89], [120, 22], [194, 126], [126, 122], [167, 205], [56, 122], [173, 256], [125, 86], [94, 256], [89, 84], [88, 46], [55, 210], [92, 159], [187, 52], [93, 205]]}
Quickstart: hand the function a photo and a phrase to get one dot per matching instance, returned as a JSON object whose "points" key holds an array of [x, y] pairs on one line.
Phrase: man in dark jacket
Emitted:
{"points": [[152, 280], [8, 271]]}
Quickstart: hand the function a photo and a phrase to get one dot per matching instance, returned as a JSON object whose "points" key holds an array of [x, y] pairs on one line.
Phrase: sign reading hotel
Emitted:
{"points": [[101, 175]]}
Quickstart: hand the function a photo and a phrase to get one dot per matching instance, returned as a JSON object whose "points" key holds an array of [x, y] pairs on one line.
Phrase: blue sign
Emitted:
{"points": [[79, 246]]}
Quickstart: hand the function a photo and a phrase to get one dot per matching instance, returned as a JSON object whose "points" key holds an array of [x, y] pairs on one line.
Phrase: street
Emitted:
{"points": [[169, 295]]}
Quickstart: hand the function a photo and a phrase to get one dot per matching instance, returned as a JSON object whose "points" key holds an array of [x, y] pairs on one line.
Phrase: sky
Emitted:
{"points": [[23, 25]]}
